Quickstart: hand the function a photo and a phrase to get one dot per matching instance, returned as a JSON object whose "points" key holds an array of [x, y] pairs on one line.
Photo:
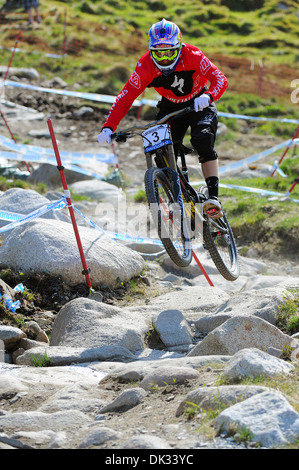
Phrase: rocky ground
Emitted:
{"points": [[156, 415]]}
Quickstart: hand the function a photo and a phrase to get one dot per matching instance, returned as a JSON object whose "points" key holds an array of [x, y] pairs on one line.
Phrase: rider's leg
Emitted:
{"points": [[210, 174], [203, 133]]}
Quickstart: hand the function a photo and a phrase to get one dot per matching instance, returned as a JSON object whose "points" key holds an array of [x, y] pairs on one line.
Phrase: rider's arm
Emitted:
{"points": [[218, 82], [136, 84], [209, 71]]}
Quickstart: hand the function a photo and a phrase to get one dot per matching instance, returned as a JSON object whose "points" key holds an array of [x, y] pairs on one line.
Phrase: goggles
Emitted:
{"points": [[164, 54]]}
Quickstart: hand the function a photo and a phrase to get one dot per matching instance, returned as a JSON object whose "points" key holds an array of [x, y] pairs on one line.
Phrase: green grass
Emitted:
{"points": [[6, 184], [255, 29], [288, 320]]}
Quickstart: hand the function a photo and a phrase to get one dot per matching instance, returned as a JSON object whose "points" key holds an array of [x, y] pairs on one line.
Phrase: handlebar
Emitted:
{"points": [[123, 135]]}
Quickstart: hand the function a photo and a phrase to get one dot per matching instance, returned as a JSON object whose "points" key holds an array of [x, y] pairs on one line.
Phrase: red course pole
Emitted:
{"points": [[202, 269], [286, 150], [296, 181], [12, 55], [70, 206]]}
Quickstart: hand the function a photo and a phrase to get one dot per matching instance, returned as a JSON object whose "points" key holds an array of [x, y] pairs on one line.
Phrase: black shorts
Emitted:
{"points": [[203, 126]]}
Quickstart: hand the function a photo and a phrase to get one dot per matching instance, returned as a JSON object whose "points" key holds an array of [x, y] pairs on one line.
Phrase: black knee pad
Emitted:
{"points": [[203, 142], [208, 158]]}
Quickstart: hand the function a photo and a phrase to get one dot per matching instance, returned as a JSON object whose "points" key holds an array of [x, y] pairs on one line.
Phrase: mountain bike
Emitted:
{"points": [[175, 206]]}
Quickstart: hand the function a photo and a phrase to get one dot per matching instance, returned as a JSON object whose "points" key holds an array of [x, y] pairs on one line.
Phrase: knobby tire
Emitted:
{"points": [[160, 197], [222, 247]]}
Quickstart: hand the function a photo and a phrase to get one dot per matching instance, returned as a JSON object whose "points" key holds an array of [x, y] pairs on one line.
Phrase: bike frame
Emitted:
{"points": [[216, 234], [125, 134]]}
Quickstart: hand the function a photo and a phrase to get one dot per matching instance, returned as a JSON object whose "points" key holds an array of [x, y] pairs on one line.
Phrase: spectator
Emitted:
{"points": [[28, 5]]}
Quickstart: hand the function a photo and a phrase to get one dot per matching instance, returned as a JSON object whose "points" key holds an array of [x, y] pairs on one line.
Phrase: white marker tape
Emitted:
{"points": [[23, 219], [71, 157], [153, 103]]}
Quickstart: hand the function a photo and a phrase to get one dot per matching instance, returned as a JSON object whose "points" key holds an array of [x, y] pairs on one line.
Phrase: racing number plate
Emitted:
{"points": [[156, 137]]}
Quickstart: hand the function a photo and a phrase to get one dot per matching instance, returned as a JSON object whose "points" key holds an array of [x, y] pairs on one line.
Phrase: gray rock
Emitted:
{"points": [[98, 190], [191, 301], [20, 72], [7, 442], [213, 397], [26, 201], [55, 250], [49, 175], [171, 375], [40, 133], [55, 82], [88, 323], [68, 421], [146, 441], [241, 332], [11, 336], [5, 289], [208, 323], [268, 416], [254, 363], [172, 328], [83, 111], [262, 303], [40, 335], [80, 397], [126, 400], [98, 436], [45, 438], [67, 355], [262, 282], [138, 369], [10, 386]]}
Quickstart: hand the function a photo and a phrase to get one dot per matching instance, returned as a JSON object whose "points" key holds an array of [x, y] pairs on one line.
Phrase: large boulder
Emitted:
{"points": [[50, 245], [26, 201], [98, 190], [242, 332], [89, 323], [49, 175]]}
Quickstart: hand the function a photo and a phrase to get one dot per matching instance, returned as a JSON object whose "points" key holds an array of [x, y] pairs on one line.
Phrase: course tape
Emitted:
{"points": [[257, 118], [153, 103], [51, 161], [19, 219], [75, 94], [253, 158], [16, 219], [17, 49], [70, 157], [263, 192], [31, 153], [125, 237]]}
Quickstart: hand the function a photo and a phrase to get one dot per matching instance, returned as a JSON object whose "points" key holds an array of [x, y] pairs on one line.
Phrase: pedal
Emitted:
{"points": [[213, 213]]}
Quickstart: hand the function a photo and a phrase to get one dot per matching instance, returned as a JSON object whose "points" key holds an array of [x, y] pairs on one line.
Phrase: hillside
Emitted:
{"points": [[100, 34]]}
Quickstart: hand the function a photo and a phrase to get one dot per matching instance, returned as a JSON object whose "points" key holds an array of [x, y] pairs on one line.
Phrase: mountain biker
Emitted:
{"points": [[179, 73]]}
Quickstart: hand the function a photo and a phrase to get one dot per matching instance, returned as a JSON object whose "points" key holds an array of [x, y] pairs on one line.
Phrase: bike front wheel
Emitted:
{"points": [[168, 216], [219, 241]]}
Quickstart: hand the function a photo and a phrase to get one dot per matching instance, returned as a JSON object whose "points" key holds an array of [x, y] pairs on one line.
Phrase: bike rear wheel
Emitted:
{"points": [[219, 241], [168, 216]]}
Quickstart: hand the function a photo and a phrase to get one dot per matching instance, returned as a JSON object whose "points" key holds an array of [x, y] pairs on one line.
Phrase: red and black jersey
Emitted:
{"points": [[191, 74]]}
